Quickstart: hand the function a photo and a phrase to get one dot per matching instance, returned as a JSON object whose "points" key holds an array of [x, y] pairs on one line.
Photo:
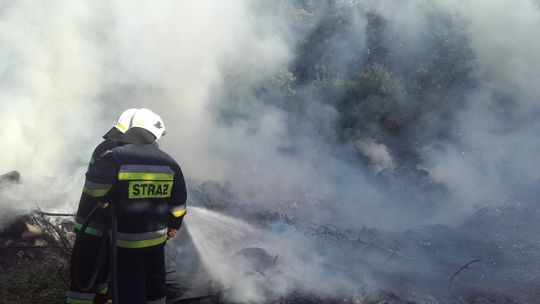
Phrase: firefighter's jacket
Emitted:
{"points": [[148, 189]]}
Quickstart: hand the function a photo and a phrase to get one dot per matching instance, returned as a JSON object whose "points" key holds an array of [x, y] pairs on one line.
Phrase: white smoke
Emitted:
{"points": [[378, 154], [493, 159], [48, 100], [68, 69]]}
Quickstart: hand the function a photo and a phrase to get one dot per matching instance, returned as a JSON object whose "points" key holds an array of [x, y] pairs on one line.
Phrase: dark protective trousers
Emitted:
{"points": [[85, 255], [141, 276]]}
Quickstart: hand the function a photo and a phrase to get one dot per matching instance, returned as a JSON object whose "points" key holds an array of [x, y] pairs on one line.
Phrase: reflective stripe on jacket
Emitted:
{"points": [[149, 191]]}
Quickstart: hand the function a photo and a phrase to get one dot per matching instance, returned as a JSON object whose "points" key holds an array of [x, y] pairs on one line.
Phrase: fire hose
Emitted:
{"points": [[86, 286], [114, 239], [98, 262]]}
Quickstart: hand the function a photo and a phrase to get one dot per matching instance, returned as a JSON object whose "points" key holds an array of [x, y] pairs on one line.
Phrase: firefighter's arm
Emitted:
{"points": [[101, 177], [99, 150], [177, 204], [97, 186]]}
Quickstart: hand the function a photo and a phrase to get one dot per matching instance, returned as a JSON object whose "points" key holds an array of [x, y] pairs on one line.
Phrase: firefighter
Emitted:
{"points": [[86, 252], [148, 190]]}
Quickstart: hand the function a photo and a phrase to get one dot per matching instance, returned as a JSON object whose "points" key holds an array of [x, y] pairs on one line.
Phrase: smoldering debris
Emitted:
{"points": [[34, 255], [35, 230], [258, 259], [414, 266], [35, 238]]}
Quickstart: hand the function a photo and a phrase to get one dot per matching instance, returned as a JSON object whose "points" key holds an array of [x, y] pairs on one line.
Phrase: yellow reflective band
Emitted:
{"points": [[142, 243], [88, 230], [78, 301], [96, 192], [121, 127], [149, 189], [145, 176], [179, 213]]}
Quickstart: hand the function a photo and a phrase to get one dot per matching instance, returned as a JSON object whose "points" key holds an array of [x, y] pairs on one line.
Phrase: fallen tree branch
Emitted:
{"points": [[61, 236], [391, 255], [333, 233], [466, 266], [54, 214]]}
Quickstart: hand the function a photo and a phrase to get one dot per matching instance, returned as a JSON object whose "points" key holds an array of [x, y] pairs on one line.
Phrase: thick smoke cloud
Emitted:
{"points": [[70, 69], [498, 126], [49, 89], [385, 114]]}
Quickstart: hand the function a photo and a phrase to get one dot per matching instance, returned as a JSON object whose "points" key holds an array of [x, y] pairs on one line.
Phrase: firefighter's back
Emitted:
{"points": [[144, 194]]}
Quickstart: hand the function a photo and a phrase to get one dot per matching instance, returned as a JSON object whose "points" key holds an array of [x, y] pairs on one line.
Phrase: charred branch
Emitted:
{"points": [[365, 239], [466, 266]]}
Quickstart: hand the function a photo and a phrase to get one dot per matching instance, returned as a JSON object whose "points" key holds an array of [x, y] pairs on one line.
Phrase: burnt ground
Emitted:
{"points": [[491, 258], [35, 250]]}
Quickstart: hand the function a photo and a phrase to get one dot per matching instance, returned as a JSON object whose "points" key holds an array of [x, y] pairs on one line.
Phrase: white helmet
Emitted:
{"points": [[148, 120], [124, 120], [122, 125]]}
